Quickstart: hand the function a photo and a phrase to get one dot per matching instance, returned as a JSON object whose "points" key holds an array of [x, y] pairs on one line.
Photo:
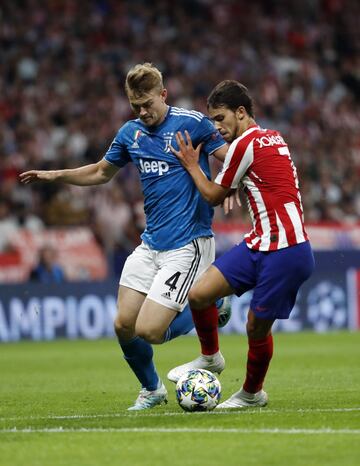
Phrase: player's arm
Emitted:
{"points": [[221, 152], [233, 194], [87, 175], [213, 193]]}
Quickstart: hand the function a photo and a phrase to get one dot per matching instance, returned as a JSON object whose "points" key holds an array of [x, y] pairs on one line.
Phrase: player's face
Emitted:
{"points": [[226, 122], [151, 108]]}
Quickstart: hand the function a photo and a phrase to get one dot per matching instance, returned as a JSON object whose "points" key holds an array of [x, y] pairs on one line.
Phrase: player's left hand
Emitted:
{"points": [[188, 156], [228, 202]]}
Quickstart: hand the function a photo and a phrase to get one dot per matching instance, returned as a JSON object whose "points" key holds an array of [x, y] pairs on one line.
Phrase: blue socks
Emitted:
{"points": [[138, 354], [181, 325]]}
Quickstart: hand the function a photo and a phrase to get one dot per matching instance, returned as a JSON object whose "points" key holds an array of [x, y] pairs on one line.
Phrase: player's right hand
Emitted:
{"points": [[187, 154], [37, 175]]}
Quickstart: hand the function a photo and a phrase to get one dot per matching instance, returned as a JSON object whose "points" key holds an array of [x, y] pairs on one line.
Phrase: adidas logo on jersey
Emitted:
{"points": [[135, 145], [166, 295]]}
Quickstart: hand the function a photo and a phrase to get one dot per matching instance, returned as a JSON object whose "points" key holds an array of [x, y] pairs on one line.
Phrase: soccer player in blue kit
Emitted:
{"points": [[177, 244]]}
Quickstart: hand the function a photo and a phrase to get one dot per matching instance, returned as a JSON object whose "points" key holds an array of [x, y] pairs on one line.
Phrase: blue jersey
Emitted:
{"points": [[175, 211]]}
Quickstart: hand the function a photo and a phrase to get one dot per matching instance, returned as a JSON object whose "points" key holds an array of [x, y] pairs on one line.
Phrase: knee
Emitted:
{"points": [[152, 336], [256, 332], [196, 299], [123, 329], [251, 330]]}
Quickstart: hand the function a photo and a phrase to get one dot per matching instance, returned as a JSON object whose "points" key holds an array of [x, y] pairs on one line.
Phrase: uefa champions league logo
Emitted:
{"points": [[327, 307], [167, 139]]}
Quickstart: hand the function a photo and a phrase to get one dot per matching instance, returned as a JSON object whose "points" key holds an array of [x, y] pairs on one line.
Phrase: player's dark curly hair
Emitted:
{"points": [[231, 94]]}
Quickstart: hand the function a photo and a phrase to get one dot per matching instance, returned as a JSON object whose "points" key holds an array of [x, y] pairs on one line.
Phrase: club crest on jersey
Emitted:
{"points": [[137, 135], [167, 140]]}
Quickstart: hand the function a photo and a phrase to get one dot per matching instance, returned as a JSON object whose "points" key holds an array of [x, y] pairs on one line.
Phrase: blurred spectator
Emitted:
{"points": [[62, 101], [47, 269], [112, 215], [26, 218], [12, 217], [8, 226]]}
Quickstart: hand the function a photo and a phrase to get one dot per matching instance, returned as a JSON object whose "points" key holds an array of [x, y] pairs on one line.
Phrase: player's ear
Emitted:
{"points": [[163, 94], [240, 112]]}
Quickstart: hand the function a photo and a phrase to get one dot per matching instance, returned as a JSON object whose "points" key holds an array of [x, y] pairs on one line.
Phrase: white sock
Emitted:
{"points": [[246, 394], [209, 357]]}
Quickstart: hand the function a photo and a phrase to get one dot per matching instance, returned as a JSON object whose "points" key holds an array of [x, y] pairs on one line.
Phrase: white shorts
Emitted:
{"points": [[167, 276]]}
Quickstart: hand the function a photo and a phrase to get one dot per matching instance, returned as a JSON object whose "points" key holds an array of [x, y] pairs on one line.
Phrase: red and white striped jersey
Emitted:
{"points": [[259, 161]]}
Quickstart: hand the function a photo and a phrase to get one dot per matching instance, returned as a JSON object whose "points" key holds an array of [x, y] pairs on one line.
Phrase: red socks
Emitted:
{"points": [[206, 324], [259, 356]]}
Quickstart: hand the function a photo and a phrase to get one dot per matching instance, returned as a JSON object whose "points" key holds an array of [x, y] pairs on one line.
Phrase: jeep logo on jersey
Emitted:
{"points": [[155, 166]]}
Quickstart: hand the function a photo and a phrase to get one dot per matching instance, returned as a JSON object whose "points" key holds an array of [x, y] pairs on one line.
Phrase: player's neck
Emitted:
{"points": [[245, 124], [163, 115]]}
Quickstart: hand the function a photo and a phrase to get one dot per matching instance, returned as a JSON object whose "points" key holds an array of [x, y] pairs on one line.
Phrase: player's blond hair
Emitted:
{"points": [[142, 79]]}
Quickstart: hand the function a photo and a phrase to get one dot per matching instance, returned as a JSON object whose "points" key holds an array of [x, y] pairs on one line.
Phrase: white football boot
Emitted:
{"points": [[223, 306], [148, 399], [243, 399], [214, 363]]}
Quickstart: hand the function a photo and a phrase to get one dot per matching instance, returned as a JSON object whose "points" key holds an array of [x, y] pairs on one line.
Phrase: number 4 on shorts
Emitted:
{"points": [[171, 282]]}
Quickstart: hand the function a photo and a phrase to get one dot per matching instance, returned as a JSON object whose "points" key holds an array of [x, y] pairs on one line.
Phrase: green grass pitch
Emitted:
{"points": [[64, 403]]}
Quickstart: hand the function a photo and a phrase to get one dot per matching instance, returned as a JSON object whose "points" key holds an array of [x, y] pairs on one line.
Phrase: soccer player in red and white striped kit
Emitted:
{"points": [[273, 260]]}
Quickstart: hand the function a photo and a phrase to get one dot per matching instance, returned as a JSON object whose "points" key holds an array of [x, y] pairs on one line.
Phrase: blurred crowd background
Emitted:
{"points": [[62, 70]]}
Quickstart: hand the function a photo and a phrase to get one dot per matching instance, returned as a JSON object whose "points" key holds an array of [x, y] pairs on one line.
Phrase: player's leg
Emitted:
{"points": [[137, 352], [178, 270], [280, 276], [153, 321], [211, 285], [129, 303], [281, 273], [172, 274], [136, 280], [202, 297], [260, 344], [184, 323], [232, 271], [203, 254]]}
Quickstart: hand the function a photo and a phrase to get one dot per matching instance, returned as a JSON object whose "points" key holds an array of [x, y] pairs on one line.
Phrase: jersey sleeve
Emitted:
{"points": [[208, 135], [238, 159], [117, 154]]}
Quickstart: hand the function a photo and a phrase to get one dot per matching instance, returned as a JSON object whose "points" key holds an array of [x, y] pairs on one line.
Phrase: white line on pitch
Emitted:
{"points": [[232, 412], [184, 430]]}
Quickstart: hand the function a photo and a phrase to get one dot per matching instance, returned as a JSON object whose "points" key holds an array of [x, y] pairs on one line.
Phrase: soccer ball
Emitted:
{"points": [[198, 390]]}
